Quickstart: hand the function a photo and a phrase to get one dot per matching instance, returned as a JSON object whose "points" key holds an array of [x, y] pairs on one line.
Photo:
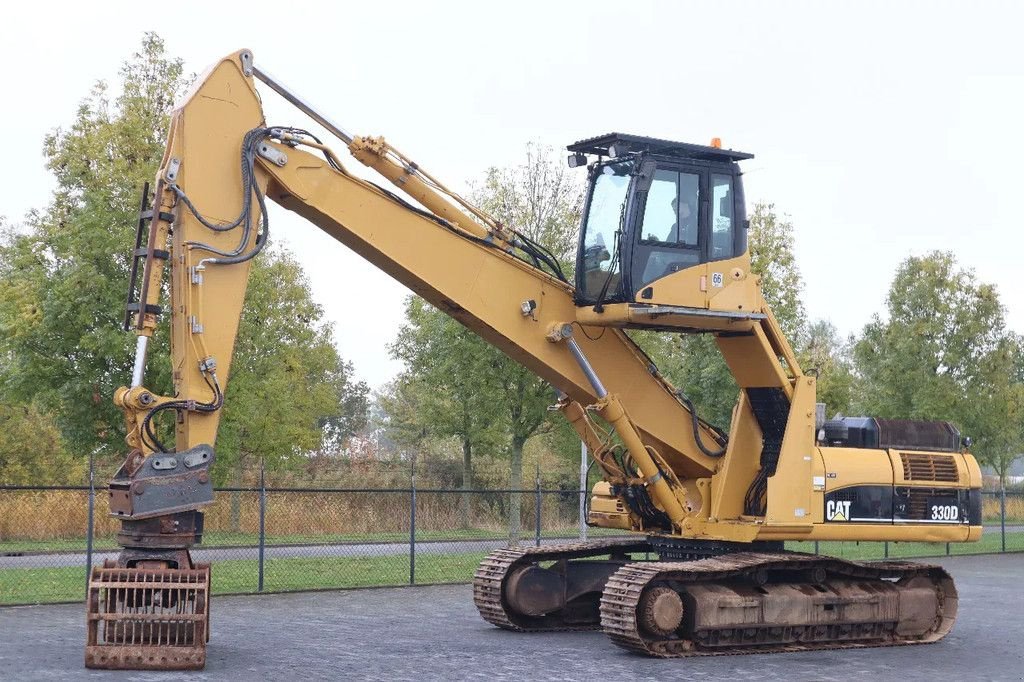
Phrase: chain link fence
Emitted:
{"points": [[275, 539]]}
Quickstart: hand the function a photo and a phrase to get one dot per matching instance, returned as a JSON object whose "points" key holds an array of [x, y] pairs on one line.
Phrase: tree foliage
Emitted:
{"points": [[62, 280], [290, 393], [32, 450], [944, 353], [62, 290], [448, 384], [827, 354], [772, 257], [539, 197], [461, 386]]}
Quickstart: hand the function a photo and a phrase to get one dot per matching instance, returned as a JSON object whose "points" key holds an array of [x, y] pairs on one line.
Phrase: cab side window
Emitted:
{"points": [[723, 223], [659, 223], [670, 212], [669, 231]]}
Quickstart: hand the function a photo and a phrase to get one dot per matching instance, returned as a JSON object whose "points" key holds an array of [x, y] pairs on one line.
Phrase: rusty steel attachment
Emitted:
{"points": [[148, 618], [150, 609]]}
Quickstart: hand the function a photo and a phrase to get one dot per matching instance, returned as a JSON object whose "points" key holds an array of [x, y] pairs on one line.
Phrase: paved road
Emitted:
{"points": [[58, 559], [286, 552], [428, 633]]}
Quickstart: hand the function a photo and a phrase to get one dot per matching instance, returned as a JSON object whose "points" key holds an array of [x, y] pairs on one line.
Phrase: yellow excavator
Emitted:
{"points": [[663, 247]]}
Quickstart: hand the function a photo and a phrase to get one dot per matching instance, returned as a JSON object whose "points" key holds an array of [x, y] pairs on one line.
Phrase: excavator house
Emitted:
{"points": [[663, 247]]}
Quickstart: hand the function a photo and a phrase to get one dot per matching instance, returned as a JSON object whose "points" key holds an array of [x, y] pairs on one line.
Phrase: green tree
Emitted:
{"points": [[944, 353], [772, 256], [63, 280], [32, 451], [541, 199], [826, 353], [448, 379], [290, 393], [476, 392]]}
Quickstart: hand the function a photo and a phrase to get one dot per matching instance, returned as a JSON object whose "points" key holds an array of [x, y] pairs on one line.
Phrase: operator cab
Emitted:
{"points": [[654, 208]]}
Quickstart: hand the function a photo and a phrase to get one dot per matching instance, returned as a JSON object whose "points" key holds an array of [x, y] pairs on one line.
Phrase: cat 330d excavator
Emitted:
{"points": [[663, 247]]}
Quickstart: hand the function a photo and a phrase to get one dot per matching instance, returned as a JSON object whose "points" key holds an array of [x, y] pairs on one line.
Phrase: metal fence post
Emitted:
{"points": [[886, 543], [263, 523], [816, 547], [412, 529], [1002, 515], [536, 511], [90, 524]]}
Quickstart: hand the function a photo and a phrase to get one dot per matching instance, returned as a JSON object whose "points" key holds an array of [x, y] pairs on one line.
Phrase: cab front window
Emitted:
{"points": [[600, 262]]}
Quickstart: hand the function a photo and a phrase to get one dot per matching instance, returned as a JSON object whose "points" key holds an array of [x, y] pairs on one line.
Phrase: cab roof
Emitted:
{"points": [[636, 143]]}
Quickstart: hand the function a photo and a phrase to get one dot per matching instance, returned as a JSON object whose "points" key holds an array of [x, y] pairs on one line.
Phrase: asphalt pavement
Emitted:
{"points": [[434, 633]]}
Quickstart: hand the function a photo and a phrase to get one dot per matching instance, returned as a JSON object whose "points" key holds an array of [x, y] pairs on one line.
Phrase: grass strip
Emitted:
{"points": [[229, 539], [48, 585]]}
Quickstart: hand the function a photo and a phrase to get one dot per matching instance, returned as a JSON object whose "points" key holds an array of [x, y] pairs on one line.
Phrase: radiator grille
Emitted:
{"points": [[913, 504], [928, 467]]}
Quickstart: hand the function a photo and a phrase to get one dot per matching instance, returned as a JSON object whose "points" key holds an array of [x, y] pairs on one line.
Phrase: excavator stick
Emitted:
{"points": [[148, 618]]}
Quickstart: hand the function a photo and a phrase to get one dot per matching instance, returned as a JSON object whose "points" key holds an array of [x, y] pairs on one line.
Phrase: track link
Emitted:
{"points": [[490, 578], [621, 602]]}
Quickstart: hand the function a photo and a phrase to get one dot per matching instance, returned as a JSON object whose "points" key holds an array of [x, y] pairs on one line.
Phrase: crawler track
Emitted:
{"points": [[490, 577], [881, 614]]}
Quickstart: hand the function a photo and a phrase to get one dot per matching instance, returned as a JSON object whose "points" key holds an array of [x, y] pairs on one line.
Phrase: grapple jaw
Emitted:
{"points": [[150, 609], [148, 618]]}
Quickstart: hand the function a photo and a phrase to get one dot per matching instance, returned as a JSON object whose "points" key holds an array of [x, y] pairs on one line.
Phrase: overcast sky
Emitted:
{"points": [[882, 129]]}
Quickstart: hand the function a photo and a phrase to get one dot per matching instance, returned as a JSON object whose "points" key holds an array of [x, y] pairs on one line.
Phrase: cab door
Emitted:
{"points": [[669, 230]]}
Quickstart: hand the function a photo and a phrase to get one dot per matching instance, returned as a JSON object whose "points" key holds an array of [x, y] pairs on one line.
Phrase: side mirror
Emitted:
{"points": [[576, 160]]}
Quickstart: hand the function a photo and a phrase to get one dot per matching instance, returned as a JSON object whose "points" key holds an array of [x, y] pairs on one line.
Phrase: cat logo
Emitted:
{"points": [[837, 510]]}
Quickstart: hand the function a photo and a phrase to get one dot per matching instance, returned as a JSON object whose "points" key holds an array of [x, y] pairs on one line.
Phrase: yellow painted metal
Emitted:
{"points": [[739, 463], [696, 287], [789, 490], [655, 479], [460, 262], [647, 316], [753, 362], [377, 154], [608, 510], [205, 143], [846, 467], [484, 287]]}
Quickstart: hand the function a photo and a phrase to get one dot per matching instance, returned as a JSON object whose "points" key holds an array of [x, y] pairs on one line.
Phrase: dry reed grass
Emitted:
{"points": [[62, 515]]}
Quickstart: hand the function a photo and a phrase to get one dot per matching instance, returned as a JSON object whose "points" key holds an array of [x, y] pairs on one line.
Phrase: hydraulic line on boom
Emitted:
{"points": [[662, 247]]}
